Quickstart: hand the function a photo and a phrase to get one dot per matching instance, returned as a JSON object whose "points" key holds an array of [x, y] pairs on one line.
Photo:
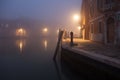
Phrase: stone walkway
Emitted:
{"points": [[104, 53], [94, 47]]}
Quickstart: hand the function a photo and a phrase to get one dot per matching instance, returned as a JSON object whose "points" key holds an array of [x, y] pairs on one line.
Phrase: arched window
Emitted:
{"points": [[91, 11], [92, 28], [100, 4], [100, 27]]}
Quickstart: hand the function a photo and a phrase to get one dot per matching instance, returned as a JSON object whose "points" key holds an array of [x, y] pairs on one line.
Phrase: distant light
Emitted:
{"points": [[45, 30], [76, 17], [79, 27], [57, 31], [20, 32]]}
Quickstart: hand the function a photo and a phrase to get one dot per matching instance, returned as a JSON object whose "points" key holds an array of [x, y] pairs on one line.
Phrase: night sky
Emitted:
{"points": [[55, 13]]}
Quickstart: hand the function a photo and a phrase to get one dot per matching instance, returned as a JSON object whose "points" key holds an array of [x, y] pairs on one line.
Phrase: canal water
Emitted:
{"points": [[30, 59]]}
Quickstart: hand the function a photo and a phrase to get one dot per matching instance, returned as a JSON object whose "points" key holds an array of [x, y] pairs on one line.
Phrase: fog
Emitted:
{"points": [[51, 13]]}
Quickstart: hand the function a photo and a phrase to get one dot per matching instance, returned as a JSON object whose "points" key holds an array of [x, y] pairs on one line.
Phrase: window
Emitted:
{"points": [[100, 27], [99, 4], [92, 28], [91, 10]]}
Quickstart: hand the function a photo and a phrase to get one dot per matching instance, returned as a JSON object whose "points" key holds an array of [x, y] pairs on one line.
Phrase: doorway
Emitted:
{"points": [[110, 30]]}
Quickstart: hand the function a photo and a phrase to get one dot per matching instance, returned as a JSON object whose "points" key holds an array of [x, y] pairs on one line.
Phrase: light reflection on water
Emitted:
{"points": [[35, 63], [45, 44], [21, 44], [27, 59]]}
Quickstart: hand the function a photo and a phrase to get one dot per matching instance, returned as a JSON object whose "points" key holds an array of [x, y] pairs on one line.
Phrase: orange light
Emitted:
{"points": [[20, 32], [79, 27], [45, 30], [76, 17], [45, 44], [21, 44]]}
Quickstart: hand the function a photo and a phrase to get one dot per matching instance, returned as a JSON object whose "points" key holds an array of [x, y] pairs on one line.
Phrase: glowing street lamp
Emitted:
{"points": [[79, 28], [45, 30], [57, 31], [20, 32], [76, 17]]}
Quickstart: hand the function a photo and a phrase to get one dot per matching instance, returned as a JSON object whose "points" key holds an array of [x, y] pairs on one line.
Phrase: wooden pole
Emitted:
{"points": [[58, 43]]}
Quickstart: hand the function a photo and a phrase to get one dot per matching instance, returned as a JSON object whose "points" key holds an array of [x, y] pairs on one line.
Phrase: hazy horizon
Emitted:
{"points": [[45, 10]]}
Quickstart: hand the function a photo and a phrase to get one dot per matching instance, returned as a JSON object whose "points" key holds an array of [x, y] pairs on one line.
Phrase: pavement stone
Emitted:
{"points": [[97, 48]]}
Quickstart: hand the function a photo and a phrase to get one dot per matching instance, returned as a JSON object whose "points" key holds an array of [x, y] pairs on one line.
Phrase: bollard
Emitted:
{"points": [[71, 38]]}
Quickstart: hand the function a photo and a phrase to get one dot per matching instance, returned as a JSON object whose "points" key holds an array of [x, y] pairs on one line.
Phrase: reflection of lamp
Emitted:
{"points": [[45, 44], [20, 44]]}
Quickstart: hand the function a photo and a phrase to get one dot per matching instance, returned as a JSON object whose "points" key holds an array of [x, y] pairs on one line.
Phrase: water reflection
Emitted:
{"points": [[45, 44], [58, 71], [21, 44]]}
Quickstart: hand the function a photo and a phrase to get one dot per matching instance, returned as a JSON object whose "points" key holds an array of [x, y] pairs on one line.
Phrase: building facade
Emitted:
{"points": [[101, 21]]}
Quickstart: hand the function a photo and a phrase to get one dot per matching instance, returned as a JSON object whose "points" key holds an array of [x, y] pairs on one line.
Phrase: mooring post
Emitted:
{"points": [[58, 43], [71, 38]]}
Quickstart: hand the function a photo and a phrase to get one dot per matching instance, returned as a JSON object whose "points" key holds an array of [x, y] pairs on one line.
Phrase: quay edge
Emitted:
{"points": [[99, 63]]}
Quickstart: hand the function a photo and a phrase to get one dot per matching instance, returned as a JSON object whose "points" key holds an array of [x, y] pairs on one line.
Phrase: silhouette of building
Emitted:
{"points": [[101, 21]]}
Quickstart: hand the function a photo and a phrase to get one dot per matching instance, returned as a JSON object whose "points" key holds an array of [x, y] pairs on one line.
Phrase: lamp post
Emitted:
{"points": [[80, 32], [77, 19]]}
